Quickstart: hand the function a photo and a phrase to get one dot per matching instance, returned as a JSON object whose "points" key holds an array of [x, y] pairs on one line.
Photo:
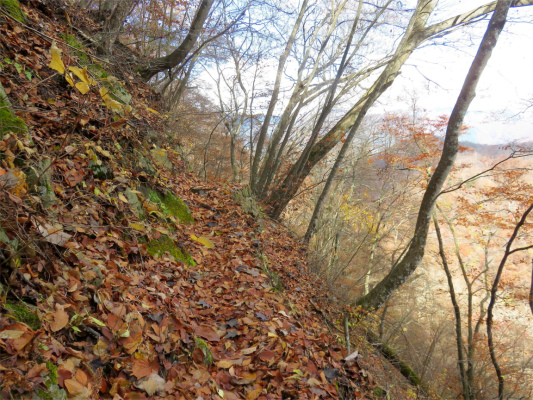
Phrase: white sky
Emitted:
{"points": [[505, 86]]}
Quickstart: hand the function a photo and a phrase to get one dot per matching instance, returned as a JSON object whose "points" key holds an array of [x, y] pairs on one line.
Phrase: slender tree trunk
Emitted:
{"points": [[384, 289], [494, 290], [274, 98], [234, 167], [457, 312], [178, 56]]}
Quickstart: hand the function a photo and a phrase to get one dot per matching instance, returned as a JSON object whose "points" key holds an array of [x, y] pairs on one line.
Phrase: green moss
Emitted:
{"points": [[52, 369], [13, 8], [208, 360], [23, 313], [172, 205], [158, 247], [73, 42], [96, 69], [54, 392], [44, 394], [8, 121]]}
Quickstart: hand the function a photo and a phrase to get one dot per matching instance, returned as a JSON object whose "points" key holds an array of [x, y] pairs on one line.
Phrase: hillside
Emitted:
{"points": [[123, 276]]}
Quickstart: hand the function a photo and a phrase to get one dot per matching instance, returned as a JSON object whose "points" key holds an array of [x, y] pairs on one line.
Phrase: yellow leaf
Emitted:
{"points": [[152, 110], [82, 87], [83, 75], [69, 79], [123, 198], [100, 349], [205, 241], [57, 62], [9, 334], [103, 152], [109, 102], [136, 225], [224, 364]]}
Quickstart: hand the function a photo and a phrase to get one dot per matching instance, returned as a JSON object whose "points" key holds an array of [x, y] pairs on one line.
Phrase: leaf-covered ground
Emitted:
{"points": [[109, 287]]}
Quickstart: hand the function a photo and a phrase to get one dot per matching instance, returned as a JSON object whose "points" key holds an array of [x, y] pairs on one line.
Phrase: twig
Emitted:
{"points": [[531, 289]]}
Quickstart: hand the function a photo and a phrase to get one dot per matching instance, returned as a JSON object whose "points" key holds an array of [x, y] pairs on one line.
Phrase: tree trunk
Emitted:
{"points": [[113, 13], [177, 57], [494, 290], [274, 98], [403, 270], [457, 311]]}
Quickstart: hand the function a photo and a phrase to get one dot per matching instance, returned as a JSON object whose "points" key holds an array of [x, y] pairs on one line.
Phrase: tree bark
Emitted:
{"points": [[113, 13], [178, 56], [384, 289]]}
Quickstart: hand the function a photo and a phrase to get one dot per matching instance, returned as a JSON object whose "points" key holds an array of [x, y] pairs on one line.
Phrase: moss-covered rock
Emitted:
{"points": [[43, 187], [142, 163], [13, 9], [101, 171], [8, 121], [22, 313], [158, 247], [202, 345], [160, 156], [135, 203], [170, 205]]}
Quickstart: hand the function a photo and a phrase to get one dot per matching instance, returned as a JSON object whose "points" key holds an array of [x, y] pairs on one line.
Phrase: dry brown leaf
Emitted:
{"points": [[153, 384], [76, 389], [249, 350], [206, 332], [254, 394], [142, 368], [60, 317]]}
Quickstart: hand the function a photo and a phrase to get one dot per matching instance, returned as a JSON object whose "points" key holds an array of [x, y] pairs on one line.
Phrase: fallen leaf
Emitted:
{"points": [[76, 389], [206, 332], [143, 368], [153, 384], [249, 350], [203, 240], [60, 318], [224, 364], [254, 394], [7, 334], [52, 234]]}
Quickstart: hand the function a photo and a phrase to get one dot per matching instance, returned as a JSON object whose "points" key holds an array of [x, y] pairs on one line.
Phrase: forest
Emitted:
{"points": [[258, 199]]}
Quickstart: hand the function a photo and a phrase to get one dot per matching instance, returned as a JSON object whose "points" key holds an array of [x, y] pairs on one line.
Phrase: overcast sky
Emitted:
{"points": [[436, 74]]}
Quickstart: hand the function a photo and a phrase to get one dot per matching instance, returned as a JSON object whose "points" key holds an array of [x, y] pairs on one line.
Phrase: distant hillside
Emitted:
{"points": [[492, 150]]}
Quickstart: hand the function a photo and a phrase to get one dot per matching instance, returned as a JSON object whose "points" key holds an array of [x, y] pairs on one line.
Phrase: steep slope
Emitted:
{"points": [[125, 277]]}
